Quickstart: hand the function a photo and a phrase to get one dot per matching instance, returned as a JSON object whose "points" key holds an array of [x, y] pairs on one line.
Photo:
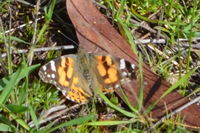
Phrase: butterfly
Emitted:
{"points": [[78, 76]]}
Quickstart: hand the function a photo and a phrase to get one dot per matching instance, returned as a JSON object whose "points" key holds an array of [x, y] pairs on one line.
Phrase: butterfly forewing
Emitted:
{"points": [[60, 72], [113, 71]]}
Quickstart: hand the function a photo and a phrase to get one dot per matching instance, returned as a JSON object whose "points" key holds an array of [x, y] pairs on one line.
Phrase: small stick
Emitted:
{"points": [[34, 41], [26, 3], [42, 49], [62, 110], [174, 112]]}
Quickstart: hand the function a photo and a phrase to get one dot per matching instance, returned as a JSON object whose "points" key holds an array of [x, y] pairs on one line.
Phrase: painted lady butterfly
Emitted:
{"points": [[78, 76]]}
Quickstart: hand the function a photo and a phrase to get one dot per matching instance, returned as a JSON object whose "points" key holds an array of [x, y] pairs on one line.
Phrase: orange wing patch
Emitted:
{"points": [[76, 93], [65, 71], [112, 75], [104, 90], [107, 69]]}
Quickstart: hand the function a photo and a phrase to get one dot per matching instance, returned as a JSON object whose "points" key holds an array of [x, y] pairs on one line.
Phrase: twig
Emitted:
{"points": [[62, 110], [155, 41], [162, 53], [196, 46], [174, 112], [53, 109], [26, 3], [33, 41], [99, 5], [41, 49], [146, 41]]}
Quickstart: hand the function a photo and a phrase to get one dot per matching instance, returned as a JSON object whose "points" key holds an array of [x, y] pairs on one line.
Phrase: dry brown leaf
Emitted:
{"points": [[96, 34]]}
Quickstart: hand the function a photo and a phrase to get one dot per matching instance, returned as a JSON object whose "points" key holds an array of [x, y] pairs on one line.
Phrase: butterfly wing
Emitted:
{"points": [[63, 72], [113, 71]]}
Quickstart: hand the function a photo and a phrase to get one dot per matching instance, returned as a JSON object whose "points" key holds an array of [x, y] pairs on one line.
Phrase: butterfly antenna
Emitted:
{"points": [[76, 44]]}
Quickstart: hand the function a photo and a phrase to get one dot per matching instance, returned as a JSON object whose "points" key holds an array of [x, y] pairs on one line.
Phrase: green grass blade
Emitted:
{"points": [[15, 117], [128, 34], [13, 38], [5, 121], [126, 113], [48, 17], [16, 108], [33, 116], [127, 101], [120, 11], [7, 84], [78, 121], [22, 91], [108, 123], [5, 128], [141, 90]]}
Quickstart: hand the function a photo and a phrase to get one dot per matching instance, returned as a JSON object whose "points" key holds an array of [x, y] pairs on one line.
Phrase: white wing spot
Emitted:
{"points": [[70, 98], [122, 80], [53, 67], [110, 88], [124, 74], [122, 64], [133, 66], [48, 76], [64, 92], [117, 86], [53, 75], [44, 68]]}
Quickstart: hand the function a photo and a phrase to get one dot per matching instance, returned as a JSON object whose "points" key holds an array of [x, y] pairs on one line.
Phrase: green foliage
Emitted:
{"points": [[23, 96], [78, 121], [48, 17], [8, 83]]}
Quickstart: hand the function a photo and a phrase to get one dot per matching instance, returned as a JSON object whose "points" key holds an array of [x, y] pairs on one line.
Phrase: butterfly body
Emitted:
{"points": [[79, 76]]}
